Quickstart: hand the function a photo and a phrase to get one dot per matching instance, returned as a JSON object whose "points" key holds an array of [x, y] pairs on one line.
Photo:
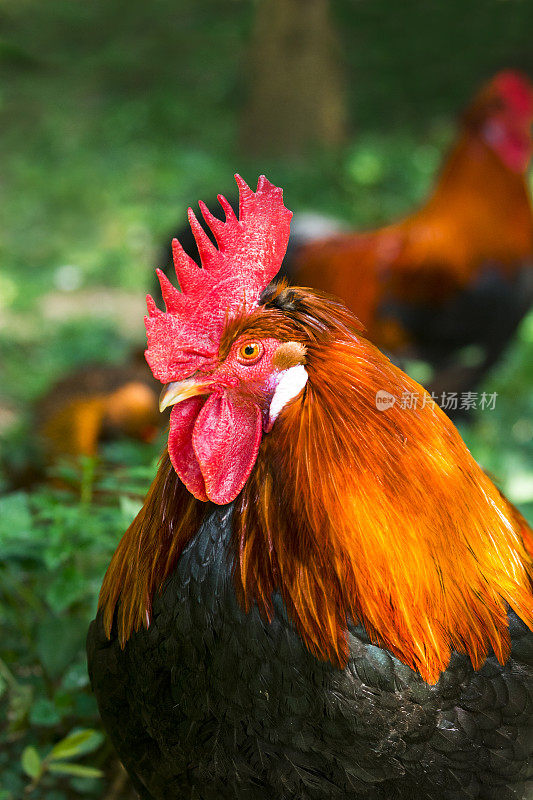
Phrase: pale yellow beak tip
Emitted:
{"points": [[177, 391]]}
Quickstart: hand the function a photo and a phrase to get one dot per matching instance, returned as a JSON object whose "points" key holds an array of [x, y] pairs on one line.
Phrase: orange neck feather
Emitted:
{"points": [[148, 552], [396, 524], [381, 516]]}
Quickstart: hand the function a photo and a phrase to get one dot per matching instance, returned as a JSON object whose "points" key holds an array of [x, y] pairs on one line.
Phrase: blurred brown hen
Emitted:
{"points": [[457, 272], [98, 402]]}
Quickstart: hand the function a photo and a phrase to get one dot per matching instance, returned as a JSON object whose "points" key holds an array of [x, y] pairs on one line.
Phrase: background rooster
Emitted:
{"points": [[319, 598], [449, 284], [457, 273]]}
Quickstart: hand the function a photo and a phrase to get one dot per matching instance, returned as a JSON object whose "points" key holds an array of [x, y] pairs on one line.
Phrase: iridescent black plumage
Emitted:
{"points": [[211, 702]]}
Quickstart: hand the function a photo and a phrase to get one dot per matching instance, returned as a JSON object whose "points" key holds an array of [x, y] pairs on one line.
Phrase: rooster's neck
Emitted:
{"points": [[149, 551], [381, 516], [474, 169]]}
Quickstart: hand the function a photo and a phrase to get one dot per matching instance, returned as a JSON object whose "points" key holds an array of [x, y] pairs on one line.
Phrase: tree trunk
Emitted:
{"points": [[295, 82]]}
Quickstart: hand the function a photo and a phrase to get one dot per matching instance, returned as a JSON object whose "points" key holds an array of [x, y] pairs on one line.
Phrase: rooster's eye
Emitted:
{"points": [[249, 352]]}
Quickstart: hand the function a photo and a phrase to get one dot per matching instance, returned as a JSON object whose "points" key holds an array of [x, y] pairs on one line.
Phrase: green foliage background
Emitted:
{"points": [[114, 117]]}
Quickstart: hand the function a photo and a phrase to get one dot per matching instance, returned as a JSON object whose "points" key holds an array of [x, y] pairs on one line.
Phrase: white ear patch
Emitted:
{"points": [[290, 384]]}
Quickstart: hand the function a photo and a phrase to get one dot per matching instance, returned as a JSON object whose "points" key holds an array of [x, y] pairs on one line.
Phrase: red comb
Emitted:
{"points": [[517, 89], [250, 252]]}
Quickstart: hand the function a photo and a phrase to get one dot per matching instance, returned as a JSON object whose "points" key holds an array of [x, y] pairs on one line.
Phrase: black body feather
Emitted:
{"points": [[211, 703]]}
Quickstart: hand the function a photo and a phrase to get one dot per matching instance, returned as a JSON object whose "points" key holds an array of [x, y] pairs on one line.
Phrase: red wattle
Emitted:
{"points": [[182, 421], [226, 439]]}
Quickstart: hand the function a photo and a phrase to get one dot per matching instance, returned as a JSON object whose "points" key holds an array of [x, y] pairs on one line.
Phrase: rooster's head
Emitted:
{"points": [[502, 112], [226, 386]]}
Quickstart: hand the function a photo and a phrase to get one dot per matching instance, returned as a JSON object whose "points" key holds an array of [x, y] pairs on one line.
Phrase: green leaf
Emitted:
{"points": [[13, 782], [64, 702], [31, 762], [85, 706], [79, 770], [76, 677], [44, 712], [19, 707], [66, 589], [58, 641], [75, 744], [129, 508], [15, 513], [16, 527]]}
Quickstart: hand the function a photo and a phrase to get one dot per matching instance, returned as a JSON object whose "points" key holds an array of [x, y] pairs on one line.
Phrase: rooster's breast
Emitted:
{"points": [[210, 702]]}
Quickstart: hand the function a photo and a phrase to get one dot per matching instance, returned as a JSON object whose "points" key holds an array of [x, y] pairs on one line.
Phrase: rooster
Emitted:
{"points": [[458, 273], [321, 597]]}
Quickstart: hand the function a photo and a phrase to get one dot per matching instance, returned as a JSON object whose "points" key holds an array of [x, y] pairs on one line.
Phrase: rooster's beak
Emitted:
{"points": [[177, 391]]}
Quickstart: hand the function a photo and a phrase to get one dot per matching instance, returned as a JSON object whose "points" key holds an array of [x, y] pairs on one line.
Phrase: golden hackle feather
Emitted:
{"points": [[381, 517], [148, 552]]}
